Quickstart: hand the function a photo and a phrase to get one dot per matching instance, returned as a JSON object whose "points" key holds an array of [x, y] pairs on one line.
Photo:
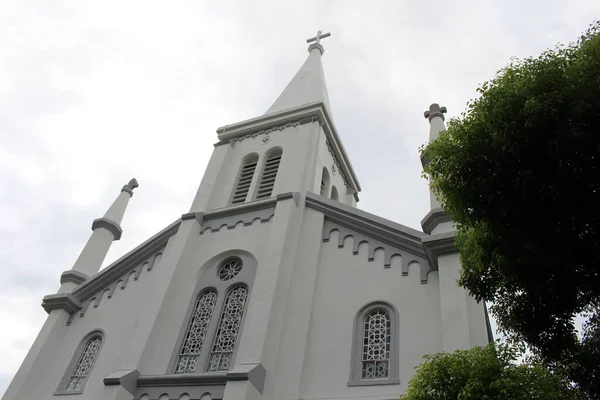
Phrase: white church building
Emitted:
{"points": [[273, 286]]}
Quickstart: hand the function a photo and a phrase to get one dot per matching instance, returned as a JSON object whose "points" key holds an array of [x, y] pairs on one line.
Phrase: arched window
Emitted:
{"points": [[269, 173], [221, 354], [207, 341], [196, 332], [244, 179], [375, 346], [334, 194], [324, 182], [81, 365]]}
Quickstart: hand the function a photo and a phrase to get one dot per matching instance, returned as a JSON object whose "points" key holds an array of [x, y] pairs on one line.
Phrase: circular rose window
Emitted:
{"points": [[230, 269]]}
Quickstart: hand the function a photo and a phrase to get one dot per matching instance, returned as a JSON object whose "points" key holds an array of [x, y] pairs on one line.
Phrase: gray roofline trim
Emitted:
{"points": [[65, 301], [433, 218], [361, 221], [129, 261], [438, 244], [304, 113]]}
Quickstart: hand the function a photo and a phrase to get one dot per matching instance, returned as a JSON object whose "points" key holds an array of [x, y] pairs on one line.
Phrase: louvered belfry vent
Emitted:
{"points": [[268, 177], [243, 185]]}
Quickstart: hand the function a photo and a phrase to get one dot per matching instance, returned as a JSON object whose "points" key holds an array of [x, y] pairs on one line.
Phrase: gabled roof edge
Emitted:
{"points": [[127, 262], [369, 224]]}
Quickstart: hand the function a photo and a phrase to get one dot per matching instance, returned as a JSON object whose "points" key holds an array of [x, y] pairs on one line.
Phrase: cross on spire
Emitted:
{"points": [[317, 39]]}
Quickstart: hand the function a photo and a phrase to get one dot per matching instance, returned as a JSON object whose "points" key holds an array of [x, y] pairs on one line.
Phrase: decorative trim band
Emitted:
{"points": [[255, 373], [434, 218], [73, 276], [65, 301], [109, 225], [306, 113], [182, 380], [269, 130], [129, 261], [369, 224], [438, 244], [238, 209]]}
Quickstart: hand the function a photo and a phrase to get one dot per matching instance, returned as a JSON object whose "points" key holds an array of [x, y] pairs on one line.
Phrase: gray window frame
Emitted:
{"points": [[209, 279], [356, 378], [61, 390]]}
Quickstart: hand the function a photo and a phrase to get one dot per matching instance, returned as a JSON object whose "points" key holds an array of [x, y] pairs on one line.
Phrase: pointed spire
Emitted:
{"points": [[105, 231], [308, 85]]}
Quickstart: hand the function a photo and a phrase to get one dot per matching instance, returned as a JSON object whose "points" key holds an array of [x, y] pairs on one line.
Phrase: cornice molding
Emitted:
{"points": [[255, 373], [371, 225], [303, 114], [182, 380], [125, 378], [64, 301], [109, 225], [438, 244], [73, 276], [126, 263], [238, 209], [433, 218]]}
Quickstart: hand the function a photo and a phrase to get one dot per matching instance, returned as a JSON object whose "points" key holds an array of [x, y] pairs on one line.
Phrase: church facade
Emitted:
{"points": [[273, 285]]}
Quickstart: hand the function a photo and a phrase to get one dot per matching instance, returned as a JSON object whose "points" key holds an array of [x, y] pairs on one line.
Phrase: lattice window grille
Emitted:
{"points": [[230, 269], [243, 185], [221, 355], [376, 345], [196, 333], [84, 365], [268, 178]]}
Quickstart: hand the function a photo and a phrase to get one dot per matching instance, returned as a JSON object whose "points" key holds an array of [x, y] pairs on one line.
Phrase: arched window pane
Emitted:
{"points": [[84, 365], [221, 353], [196, 333], [376, 345]]}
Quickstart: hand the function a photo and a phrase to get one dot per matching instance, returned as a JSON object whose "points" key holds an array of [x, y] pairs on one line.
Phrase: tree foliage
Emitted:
{"points": [[484, 373], [519, 171]]}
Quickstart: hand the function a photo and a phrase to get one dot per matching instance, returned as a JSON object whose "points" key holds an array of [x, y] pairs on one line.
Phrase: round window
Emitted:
{"points": [[230, 269]]}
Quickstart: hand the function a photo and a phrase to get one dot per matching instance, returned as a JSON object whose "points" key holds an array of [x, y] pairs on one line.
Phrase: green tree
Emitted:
{"points": [[519, 172], [485, 373]]}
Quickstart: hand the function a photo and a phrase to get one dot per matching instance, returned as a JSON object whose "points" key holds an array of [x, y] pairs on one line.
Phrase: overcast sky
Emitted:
{"points": [[95, 93]]}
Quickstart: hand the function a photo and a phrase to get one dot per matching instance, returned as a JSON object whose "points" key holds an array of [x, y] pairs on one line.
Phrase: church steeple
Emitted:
{"points": [[308, 85], [293, 148]]}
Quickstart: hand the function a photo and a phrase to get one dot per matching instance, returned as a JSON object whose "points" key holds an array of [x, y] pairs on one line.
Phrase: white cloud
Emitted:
{"points": [[94, 93]]}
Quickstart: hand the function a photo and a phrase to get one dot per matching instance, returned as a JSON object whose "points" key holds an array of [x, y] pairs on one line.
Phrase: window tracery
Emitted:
{"points": [[84, 365], [196, 333], [230, 269], [221, 354], [376, 345]]}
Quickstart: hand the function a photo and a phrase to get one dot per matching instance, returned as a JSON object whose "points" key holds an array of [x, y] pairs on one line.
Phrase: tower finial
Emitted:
{"points": [[435, 111], [130, 186], [317, 41]]}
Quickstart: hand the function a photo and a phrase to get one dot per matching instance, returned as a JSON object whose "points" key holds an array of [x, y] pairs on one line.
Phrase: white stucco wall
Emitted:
{"points": [[116, 317], [347, 282]]}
